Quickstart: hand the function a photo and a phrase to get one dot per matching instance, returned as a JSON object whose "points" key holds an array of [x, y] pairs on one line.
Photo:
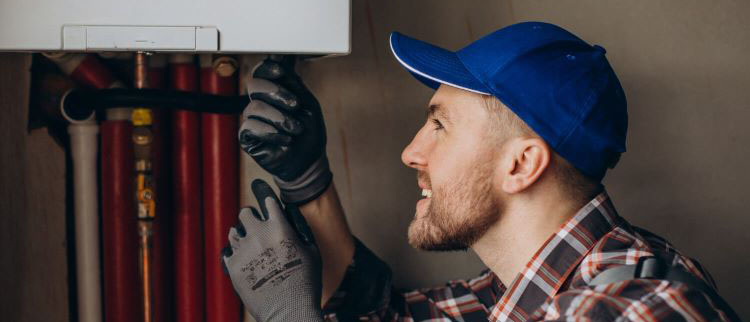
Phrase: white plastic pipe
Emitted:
{"points": [[83, 150]]}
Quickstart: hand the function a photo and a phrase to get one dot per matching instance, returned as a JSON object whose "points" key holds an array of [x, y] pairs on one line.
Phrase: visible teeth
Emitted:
{"points": [[427, 193]]}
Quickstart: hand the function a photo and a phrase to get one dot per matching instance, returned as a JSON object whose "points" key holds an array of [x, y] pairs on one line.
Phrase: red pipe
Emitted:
{"points": [[188, 236], [157, 65], [93, 73], [162, 223], [121, 301], [88, 70], [85, 69], [119, 234], [220, 192]]}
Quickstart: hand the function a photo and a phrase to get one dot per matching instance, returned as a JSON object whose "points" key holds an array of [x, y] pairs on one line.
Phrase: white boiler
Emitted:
{"points": [[226, 26]]}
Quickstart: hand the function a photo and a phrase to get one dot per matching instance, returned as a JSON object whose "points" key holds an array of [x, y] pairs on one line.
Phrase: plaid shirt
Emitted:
{"points": [[552, 286]]}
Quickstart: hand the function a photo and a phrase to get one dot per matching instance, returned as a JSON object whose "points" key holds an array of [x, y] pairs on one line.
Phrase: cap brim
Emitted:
{"points": [[433, 65]]}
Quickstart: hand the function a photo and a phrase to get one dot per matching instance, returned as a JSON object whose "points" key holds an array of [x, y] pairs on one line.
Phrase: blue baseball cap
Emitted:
{"points": [[563, 88]]}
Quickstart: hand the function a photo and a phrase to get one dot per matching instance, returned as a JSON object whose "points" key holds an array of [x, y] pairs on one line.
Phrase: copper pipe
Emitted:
{"points": [[141, 70], [145, 198], [145, 235]]}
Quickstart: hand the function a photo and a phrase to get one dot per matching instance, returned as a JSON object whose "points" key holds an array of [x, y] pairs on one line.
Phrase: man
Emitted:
{"points": [[522, 128]]}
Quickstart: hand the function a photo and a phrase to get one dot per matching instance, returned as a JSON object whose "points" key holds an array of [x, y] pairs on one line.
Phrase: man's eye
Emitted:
{"points": [[438, 125]]}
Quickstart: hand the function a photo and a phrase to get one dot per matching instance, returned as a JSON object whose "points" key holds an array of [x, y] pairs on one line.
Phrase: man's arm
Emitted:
{"points": [[327, 221]]}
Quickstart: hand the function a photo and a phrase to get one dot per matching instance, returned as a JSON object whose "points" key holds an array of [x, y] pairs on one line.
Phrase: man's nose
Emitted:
{"points": [[414, 155]]}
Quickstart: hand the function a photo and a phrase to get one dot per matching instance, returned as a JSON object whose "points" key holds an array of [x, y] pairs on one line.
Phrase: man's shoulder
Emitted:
{"points": [[631, 300], [626, 244]]}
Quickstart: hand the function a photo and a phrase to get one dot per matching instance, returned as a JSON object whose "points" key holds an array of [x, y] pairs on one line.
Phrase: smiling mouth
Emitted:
{"points": [[427, 193]]}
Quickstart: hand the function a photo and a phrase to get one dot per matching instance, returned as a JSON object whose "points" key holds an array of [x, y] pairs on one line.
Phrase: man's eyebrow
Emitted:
{"points": [[437, 109]]}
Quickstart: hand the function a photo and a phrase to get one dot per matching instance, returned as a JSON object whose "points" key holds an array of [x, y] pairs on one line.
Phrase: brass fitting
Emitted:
{"points": [[225, 66]]}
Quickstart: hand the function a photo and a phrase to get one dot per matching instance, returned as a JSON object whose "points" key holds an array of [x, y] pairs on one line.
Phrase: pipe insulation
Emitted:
{"points": [[88, 71], [119, 225], [162, 176], [119, 242], [83, 151], [157, 65], [83, 101], [85, 69], [220, 186], [188, 233]]}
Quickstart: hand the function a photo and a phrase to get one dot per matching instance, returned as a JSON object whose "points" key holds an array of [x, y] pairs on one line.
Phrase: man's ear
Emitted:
{"points": [[524, 161]]}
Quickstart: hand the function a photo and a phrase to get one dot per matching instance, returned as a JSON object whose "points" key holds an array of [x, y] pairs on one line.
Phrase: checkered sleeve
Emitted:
{"points": [[366, 294], [632, 300]]}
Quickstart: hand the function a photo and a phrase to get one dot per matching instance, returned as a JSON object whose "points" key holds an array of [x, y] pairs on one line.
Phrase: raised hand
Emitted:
{"points": [[274, 271], [283, 130]]}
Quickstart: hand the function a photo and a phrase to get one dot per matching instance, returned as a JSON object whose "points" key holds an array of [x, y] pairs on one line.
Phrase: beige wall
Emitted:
{"points": [[33, 269], [681, 62]]}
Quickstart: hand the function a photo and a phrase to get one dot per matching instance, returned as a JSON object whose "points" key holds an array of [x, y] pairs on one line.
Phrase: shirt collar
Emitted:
{"points": [[551, 265]]}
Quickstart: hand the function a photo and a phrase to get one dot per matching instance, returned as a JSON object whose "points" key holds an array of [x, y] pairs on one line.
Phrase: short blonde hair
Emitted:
{"points": [[506, 124]]}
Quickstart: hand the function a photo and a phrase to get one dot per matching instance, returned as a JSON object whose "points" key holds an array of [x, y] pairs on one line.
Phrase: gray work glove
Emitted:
{"points": [[283, 130], [274, 271]]}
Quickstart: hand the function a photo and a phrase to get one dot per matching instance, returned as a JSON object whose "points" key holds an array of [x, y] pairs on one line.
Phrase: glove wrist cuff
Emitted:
{"points": [[308, 186]]}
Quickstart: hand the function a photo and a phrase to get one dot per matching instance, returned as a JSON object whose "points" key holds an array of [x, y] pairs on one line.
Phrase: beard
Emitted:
{"points": [[459, 213]]}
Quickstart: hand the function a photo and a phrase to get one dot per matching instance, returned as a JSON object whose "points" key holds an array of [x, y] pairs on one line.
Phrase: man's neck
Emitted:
{"points": [[522, 229]]}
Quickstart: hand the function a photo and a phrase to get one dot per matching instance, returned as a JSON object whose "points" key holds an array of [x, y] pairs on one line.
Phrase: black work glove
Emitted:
{"points": [[275, 271], [283, 130]]}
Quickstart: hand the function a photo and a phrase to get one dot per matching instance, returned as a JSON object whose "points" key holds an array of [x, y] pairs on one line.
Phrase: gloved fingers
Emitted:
{"points": [[254, 131], [272, 93], [260, 110], [224, 256], [254, 147], [250, 219], [242, 222], [238, 231], [258, 215], [234, 237], [287, 61], [280, 70], [265, 154], [262, 191], [274, 67], [270, 207]]}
